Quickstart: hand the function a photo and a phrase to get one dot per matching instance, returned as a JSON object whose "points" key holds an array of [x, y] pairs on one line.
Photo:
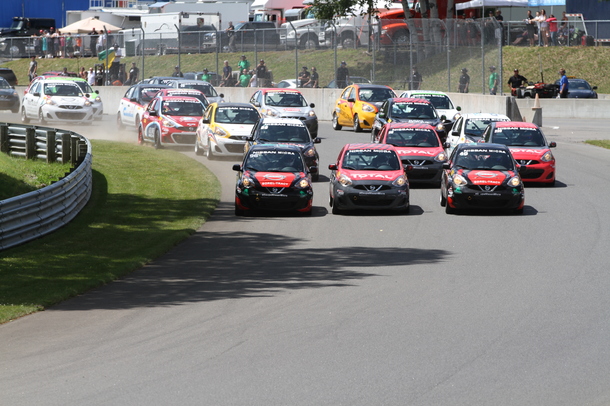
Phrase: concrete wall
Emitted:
{"points": [[324, 99]]}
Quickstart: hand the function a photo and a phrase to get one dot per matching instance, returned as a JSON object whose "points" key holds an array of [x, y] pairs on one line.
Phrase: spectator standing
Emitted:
{"points": [[44, 44], [100, 45], [206, 75], [515, 82], [177, 72], [121, 75], [493, 80], [244, 78], [134, 72], [116, 62], [33, 68], [231, 35], [552, 29], [342, 76], [227, 75], [91, 77], [563, 84], [544, 28], [64, 72], [253, 79], [416, 80], [314, 81], [464, 82], [83, 73], [78, 45], [243, 63], [93, 42], [304, 77], [530, 24], [261, 74], [537, 22]]}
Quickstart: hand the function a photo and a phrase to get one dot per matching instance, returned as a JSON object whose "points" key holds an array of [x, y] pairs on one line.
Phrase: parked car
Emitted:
{"points": [[368, 177], [580, 89], [357, 106], [273, 177], [9, 75], [481, 177], [9, 99], [287, 84], [224, 129], [286, 103], [170, 121], [529, 147], [52, 100], [250, 34], [133, 103]]}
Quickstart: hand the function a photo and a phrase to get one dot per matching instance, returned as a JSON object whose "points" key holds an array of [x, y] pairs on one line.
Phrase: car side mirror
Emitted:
{"points": [[222, 95], [36, 94], [256, 104], [332, 167], [381, 115], [317, 140], [133, 99], [458, 108], [594, 88], [312, 105], [446, 165], [443, 118], [205, 121], [237, 167], [553, 144], [313, 170], [87, 95], [97, 91], [447, 145], [153, 113], [250, 139], [351, 100]]}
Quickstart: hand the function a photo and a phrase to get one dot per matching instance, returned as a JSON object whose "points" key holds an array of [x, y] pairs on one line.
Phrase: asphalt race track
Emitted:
{"points": [[363, 309]]}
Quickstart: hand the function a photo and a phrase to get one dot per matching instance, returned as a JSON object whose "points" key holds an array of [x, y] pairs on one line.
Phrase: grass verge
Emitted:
{"points": [[19, 176], [144, 201], [599, 143]]}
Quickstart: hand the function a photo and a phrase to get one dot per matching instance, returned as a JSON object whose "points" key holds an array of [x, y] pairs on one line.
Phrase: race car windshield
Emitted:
{"points": [[439, 101], [529, 137], [484, 160], [147, 94], [197, 95], [416, 111], [274, 161], [375, 95], [408, 137], [476, 126], [371, 160], [578, 85], [236, 115], [208, 90], [85, 87], [285, 100], [62, 90], [179, 108], [284, 133]]}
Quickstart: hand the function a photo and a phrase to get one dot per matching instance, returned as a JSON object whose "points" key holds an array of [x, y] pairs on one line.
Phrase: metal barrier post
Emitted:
{"points": [[30, 143], [51, 143], [4, 138], [65, 147]]}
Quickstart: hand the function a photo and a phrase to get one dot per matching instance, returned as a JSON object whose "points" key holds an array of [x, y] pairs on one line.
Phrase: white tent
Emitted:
{"points": [[87, 25], [491, 3]]}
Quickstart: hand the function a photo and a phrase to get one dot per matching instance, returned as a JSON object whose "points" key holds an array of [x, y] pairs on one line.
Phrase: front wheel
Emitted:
{"points": [[449, 209], [443, 200], [336, 125], [198, 150], [357, 128], [209, 154], [140, 135], [24, 117], [119, 122], [41, 117], [157, 140]]}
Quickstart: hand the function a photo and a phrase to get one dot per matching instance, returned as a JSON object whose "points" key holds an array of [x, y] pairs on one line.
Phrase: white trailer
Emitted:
{"points": [[231, 11], [273, 10]]}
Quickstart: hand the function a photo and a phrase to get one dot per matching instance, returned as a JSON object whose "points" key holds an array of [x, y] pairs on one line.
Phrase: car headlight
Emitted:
{"points": [[344, 180], [514, 181], [50, 101], [247, 181], [400, 181], [441, 157], [303, 184], [312, 113], [309, 152], [87, 103], [547, 157], [459, 180], [168, 123], [98, 99], [440, 127], [368, 108], [220, 132], [271, 113]]}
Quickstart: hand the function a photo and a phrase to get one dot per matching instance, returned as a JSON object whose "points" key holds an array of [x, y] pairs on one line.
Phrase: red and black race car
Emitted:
{"points": [[481, 176], [419, 146], [528, 146], [370, 177], [273, 177]]}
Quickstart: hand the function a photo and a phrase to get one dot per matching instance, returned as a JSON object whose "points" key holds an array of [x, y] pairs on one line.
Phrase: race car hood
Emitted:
{"points": [[69, 100], [432, 122], [274, 179], [185, 121], [448, 113], [528, 153], [387, 176], [237, 129], [418, 151], [485, 177], [302, 146]]}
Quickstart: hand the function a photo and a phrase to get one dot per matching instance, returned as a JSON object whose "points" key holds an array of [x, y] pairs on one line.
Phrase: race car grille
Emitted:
{"points": [[489, 188], [373, 202], [527, 162], [238, 137], [71, 116], [375, 188], [274, 190], [297, 117], [70, 107], [416, 162], [184, 138], [187, 129], [532, 174], [234, 148]]}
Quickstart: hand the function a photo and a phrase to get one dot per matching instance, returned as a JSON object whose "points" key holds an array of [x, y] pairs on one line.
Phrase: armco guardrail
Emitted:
{"points": [[32, 215]]}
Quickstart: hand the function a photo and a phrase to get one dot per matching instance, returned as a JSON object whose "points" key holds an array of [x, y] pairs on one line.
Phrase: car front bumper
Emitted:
{"points": [[357, 197], [263, 199], [469, 197]]}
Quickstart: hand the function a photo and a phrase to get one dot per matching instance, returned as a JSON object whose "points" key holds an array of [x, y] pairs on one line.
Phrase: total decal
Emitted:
{"points": [[528, 151], [412, 151], [373, 176]]}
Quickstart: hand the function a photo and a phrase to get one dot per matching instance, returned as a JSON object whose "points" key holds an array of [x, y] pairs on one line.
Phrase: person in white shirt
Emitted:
{"points": [[91, 77]]}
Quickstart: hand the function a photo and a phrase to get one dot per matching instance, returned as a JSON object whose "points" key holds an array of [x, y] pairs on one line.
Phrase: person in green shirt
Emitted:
{"points": [[206, 75], [244, 78], [243, 63], [493, 80]]}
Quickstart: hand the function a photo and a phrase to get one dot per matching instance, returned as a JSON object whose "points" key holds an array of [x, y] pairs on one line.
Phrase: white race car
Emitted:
{"points": [[469, 128]]}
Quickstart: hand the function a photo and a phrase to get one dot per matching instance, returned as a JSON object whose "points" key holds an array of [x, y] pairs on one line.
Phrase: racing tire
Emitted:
{"points": [[315, 177], [449, 209], [336, 125], [198, 150], [443, 200], [119, 122], [140, 135], [209, 154], [306, 213], [357, 128], [519, 211], [41, 117], [335, 209], [15, 110], [157, 140], [239, 212], [550, 184], [24, 117]]}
